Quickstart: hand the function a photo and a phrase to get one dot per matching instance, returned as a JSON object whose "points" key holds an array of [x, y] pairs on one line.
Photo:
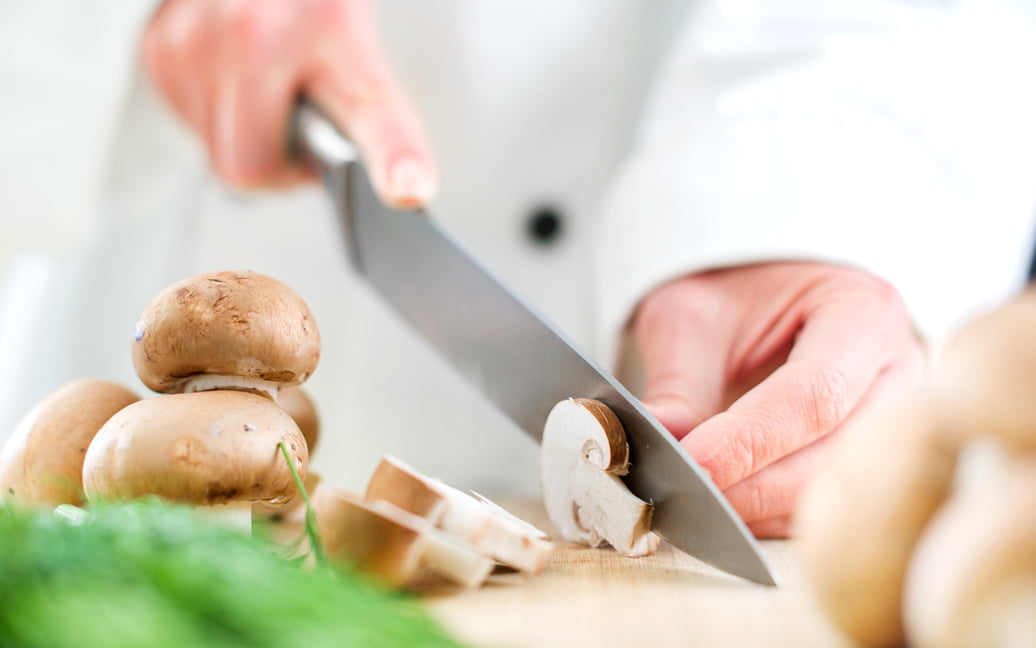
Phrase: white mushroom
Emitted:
{"points": [[42, 462], [861, 515], [584, 451], [210, 449], [397, 547], [477, 521], [972, 582], [225, 330]]}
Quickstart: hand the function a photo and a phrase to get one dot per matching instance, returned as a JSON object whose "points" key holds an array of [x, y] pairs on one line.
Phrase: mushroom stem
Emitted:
{"points": [[232, 515], [455, 561], [210, 382]]}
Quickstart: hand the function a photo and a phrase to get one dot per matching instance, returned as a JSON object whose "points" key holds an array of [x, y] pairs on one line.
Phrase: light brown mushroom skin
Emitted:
{"points": [[972, 582], [204, 448], [225, 324], [393, 483], [42, 464], [278, 512], [984, 376], [296, 402], [861, 515], [352, 533]]}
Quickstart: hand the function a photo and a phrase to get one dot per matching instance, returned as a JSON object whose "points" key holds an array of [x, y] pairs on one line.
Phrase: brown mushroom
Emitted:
{"points": [[214, 449], [861, 515], [982, 383], [296, 402], [42, 462], [860, 520], [972, 582], [583, 453], [397, 547], [225, 330], [477, 521]]}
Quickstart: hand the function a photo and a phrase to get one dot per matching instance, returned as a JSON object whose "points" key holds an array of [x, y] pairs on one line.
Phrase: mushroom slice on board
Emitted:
{"points": [[216, 449], [397, 547], [972, 581], [477, 521], [583, 453], [225, 330], [42, 462]]}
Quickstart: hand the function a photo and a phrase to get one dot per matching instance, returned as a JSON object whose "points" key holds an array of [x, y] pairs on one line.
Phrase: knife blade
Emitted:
{"points": [[516, 357]]}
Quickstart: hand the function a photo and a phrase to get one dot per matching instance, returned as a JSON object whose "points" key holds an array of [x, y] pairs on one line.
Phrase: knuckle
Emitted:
{"points": [[680, 300], [828, 398]]}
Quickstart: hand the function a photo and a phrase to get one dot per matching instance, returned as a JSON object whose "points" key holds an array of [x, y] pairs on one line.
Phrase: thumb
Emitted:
{"points": [[684, 363], [352, 80]]}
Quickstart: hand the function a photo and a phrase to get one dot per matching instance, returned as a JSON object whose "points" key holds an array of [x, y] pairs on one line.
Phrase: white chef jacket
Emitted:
{"points": [[895, 136]]}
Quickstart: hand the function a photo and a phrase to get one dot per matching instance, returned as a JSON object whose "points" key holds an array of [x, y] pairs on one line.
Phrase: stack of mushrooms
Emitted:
{"points": [[922, 526], [231, 430]]}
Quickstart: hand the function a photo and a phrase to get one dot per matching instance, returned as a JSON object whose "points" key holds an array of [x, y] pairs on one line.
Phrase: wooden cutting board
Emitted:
{"points": [[595, 597]]}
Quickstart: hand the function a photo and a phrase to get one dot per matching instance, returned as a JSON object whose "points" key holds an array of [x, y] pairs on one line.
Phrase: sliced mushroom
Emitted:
{"points": [[485, 526], [42, 462], [217, 448], [397, 547], [226, 330], [972, 582], [584, 451], [861, 515]]}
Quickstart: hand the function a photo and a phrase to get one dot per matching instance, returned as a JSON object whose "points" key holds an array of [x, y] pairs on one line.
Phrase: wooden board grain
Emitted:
{"points": [[595, 597]]}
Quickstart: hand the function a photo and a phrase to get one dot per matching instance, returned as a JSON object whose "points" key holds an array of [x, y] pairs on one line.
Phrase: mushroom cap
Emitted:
{"points": [[972, 582], [225, 324], [860, 516], [200, 448], [285, 510], [296, 402], [983, 379], [42, 463]]}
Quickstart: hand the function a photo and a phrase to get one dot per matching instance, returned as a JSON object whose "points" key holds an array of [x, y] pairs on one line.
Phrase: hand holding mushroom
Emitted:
{"points": [[896, 544]]}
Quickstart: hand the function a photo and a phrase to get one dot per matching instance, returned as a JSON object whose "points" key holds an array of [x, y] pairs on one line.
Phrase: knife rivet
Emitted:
{"points": [[544, 225]]}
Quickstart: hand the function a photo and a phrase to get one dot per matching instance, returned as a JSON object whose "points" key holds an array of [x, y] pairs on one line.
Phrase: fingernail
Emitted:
{"points": [[410, 184]]}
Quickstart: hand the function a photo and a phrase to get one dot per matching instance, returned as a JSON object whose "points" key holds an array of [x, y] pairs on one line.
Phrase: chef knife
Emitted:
{"points": [[514, 356]]}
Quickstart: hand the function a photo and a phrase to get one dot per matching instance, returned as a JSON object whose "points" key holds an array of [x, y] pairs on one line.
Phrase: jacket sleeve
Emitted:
{"points": [[874, 134]]}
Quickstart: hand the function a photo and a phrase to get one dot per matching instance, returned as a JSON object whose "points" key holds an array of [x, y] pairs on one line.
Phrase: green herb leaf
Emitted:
{"points": [[148, 574]]}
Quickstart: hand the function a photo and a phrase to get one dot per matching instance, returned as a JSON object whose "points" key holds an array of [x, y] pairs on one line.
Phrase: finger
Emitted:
{"points": [[773, 491], [254, 98], [778, 527], [684, 351], [176, 41], [836, 357], [351, 79]]}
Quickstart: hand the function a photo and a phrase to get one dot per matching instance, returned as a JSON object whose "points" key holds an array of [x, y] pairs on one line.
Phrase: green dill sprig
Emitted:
{"points": [[151, 575]]}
